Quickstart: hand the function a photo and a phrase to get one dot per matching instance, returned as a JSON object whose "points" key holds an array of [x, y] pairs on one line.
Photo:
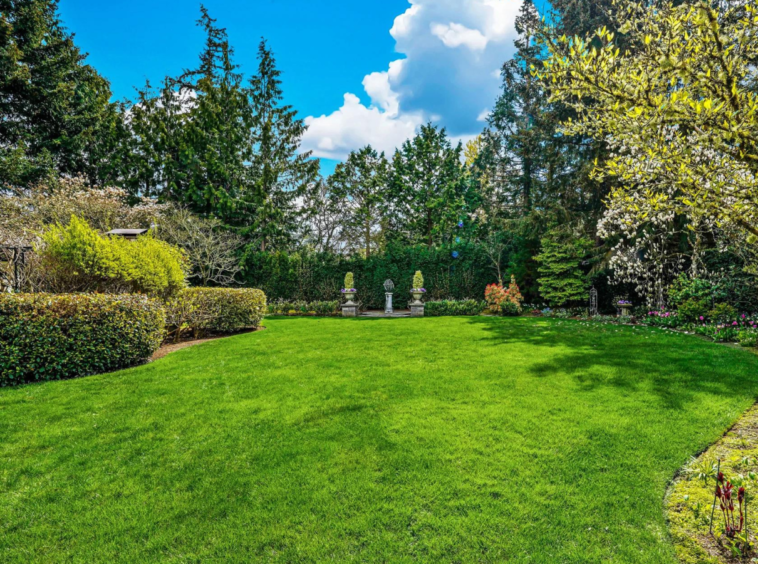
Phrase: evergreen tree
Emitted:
{"points": [[278, 172], [55, 110], [361, 183], [191, 141], [562, 281], [428, 187]]}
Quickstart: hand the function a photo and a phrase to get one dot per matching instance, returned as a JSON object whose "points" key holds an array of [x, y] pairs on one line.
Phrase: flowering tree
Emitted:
{"points": [[670, 91], [675, 105]]}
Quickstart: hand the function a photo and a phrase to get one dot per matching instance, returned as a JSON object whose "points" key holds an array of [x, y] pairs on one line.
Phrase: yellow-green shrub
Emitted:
{"points": [[55, 336], [77, 258], [215, 310]]}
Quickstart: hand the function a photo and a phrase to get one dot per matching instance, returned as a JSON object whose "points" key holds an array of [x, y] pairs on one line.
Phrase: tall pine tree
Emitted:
{"points": [[55, 110], [361, 183], [279, 173], [428, 187]]}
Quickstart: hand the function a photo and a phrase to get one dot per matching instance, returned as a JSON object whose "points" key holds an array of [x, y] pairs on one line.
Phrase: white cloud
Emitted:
{"points": [[353, 126], [450, 48], [454, 35], [484, 115]]}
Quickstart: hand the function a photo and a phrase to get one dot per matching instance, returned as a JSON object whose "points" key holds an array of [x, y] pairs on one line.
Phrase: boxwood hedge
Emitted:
{"points": [[215, 310], [55, 336]]}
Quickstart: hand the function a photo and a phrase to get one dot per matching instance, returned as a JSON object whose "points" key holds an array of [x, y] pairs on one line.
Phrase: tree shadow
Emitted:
{"points": [[674, 367]]}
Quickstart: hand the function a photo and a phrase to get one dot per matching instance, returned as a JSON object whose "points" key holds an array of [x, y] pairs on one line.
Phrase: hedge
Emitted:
{"points": [[215, 310], [56, 336], [313, 277], [322, 309], [454, 307]]}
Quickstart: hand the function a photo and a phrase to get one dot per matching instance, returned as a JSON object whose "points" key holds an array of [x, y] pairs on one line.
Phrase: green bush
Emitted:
{"points": [[684, 289], [510, 309], [349, 281], [748, 337], [722, 313], [285, 307], [454, 307], [691, 310], [51, 337], [76, 258], [215, 310]]}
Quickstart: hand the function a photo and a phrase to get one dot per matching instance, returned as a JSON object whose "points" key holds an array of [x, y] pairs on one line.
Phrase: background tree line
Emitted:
{"points": [[523, 197]]}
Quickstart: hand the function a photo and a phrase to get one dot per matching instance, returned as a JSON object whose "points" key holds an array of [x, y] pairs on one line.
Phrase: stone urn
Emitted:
{"points": [[349, 296], [417, 295]]}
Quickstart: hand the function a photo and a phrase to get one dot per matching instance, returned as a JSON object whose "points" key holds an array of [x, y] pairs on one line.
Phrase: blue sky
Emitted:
{"points": [[359, 72]]}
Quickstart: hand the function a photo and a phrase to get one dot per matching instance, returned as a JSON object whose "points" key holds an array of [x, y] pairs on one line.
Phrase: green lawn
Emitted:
{"points": [[403, 440]]}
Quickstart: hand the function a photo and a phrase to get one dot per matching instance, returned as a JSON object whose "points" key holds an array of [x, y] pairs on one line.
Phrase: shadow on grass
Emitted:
{"points": [[674, 367]]}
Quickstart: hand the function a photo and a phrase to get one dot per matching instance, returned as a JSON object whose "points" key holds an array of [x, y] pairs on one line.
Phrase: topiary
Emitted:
{"points": [[349, 282], [418, 281]]}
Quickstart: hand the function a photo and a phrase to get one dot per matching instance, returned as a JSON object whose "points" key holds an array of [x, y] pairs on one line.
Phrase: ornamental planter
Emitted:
{"points": [[349, 308], [417, 306], [625, 310], [349, 297]]}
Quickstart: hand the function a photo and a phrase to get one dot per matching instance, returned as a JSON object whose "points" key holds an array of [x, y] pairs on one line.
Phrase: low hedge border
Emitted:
{"points": [[57, 336], [454, 307], [205, 311]]}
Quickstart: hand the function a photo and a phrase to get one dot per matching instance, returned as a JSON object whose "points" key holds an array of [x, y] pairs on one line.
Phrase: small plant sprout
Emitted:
{"points": [[418, 282]]}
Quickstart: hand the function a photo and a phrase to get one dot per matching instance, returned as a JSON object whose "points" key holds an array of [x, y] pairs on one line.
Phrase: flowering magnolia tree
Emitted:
{"points": [[670, 92]]}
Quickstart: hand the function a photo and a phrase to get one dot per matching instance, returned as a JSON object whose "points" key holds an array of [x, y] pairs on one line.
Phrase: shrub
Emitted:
{"points": [[215, 310], [418, 281], [284, 307], [693, 310], [722, 313], [684, 289], [562, 280], [50, 337], [502, 301], [76, 258], [454, 307], [748, 337], [349, 282], [510, 309]]}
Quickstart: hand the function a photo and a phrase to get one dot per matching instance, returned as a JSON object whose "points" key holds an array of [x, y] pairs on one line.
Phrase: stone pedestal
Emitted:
{"points": [[349, 310], [417, 309], [388, 303]]}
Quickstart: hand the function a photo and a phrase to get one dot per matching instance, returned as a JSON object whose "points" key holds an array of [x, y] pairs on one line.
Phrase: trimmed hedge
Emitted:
{"points": [[215, 310], [312, 277], [454, 307], [322, 309], [56, 336]]}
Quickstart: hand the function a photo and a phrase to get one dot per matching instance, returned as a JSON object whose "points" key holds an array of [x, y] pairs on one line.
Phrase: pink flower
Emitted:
{"points": [[701, 318], [734, 323]]}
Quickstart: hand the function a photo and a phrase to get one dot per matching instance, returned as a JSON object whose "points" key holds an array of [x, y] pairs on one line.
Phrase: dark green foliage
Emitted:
{"points": [[57, 336], [205, 311], [562, 280], [454, 307], [323, 309], [279, 172], [309, 276], [428, 188], [55, 110], [361, 183]]}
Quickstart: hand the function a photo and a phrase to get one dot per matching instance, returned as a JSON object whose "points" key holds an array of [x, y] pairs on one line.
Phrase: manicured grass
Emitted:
{"points": [[406, 440]]}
